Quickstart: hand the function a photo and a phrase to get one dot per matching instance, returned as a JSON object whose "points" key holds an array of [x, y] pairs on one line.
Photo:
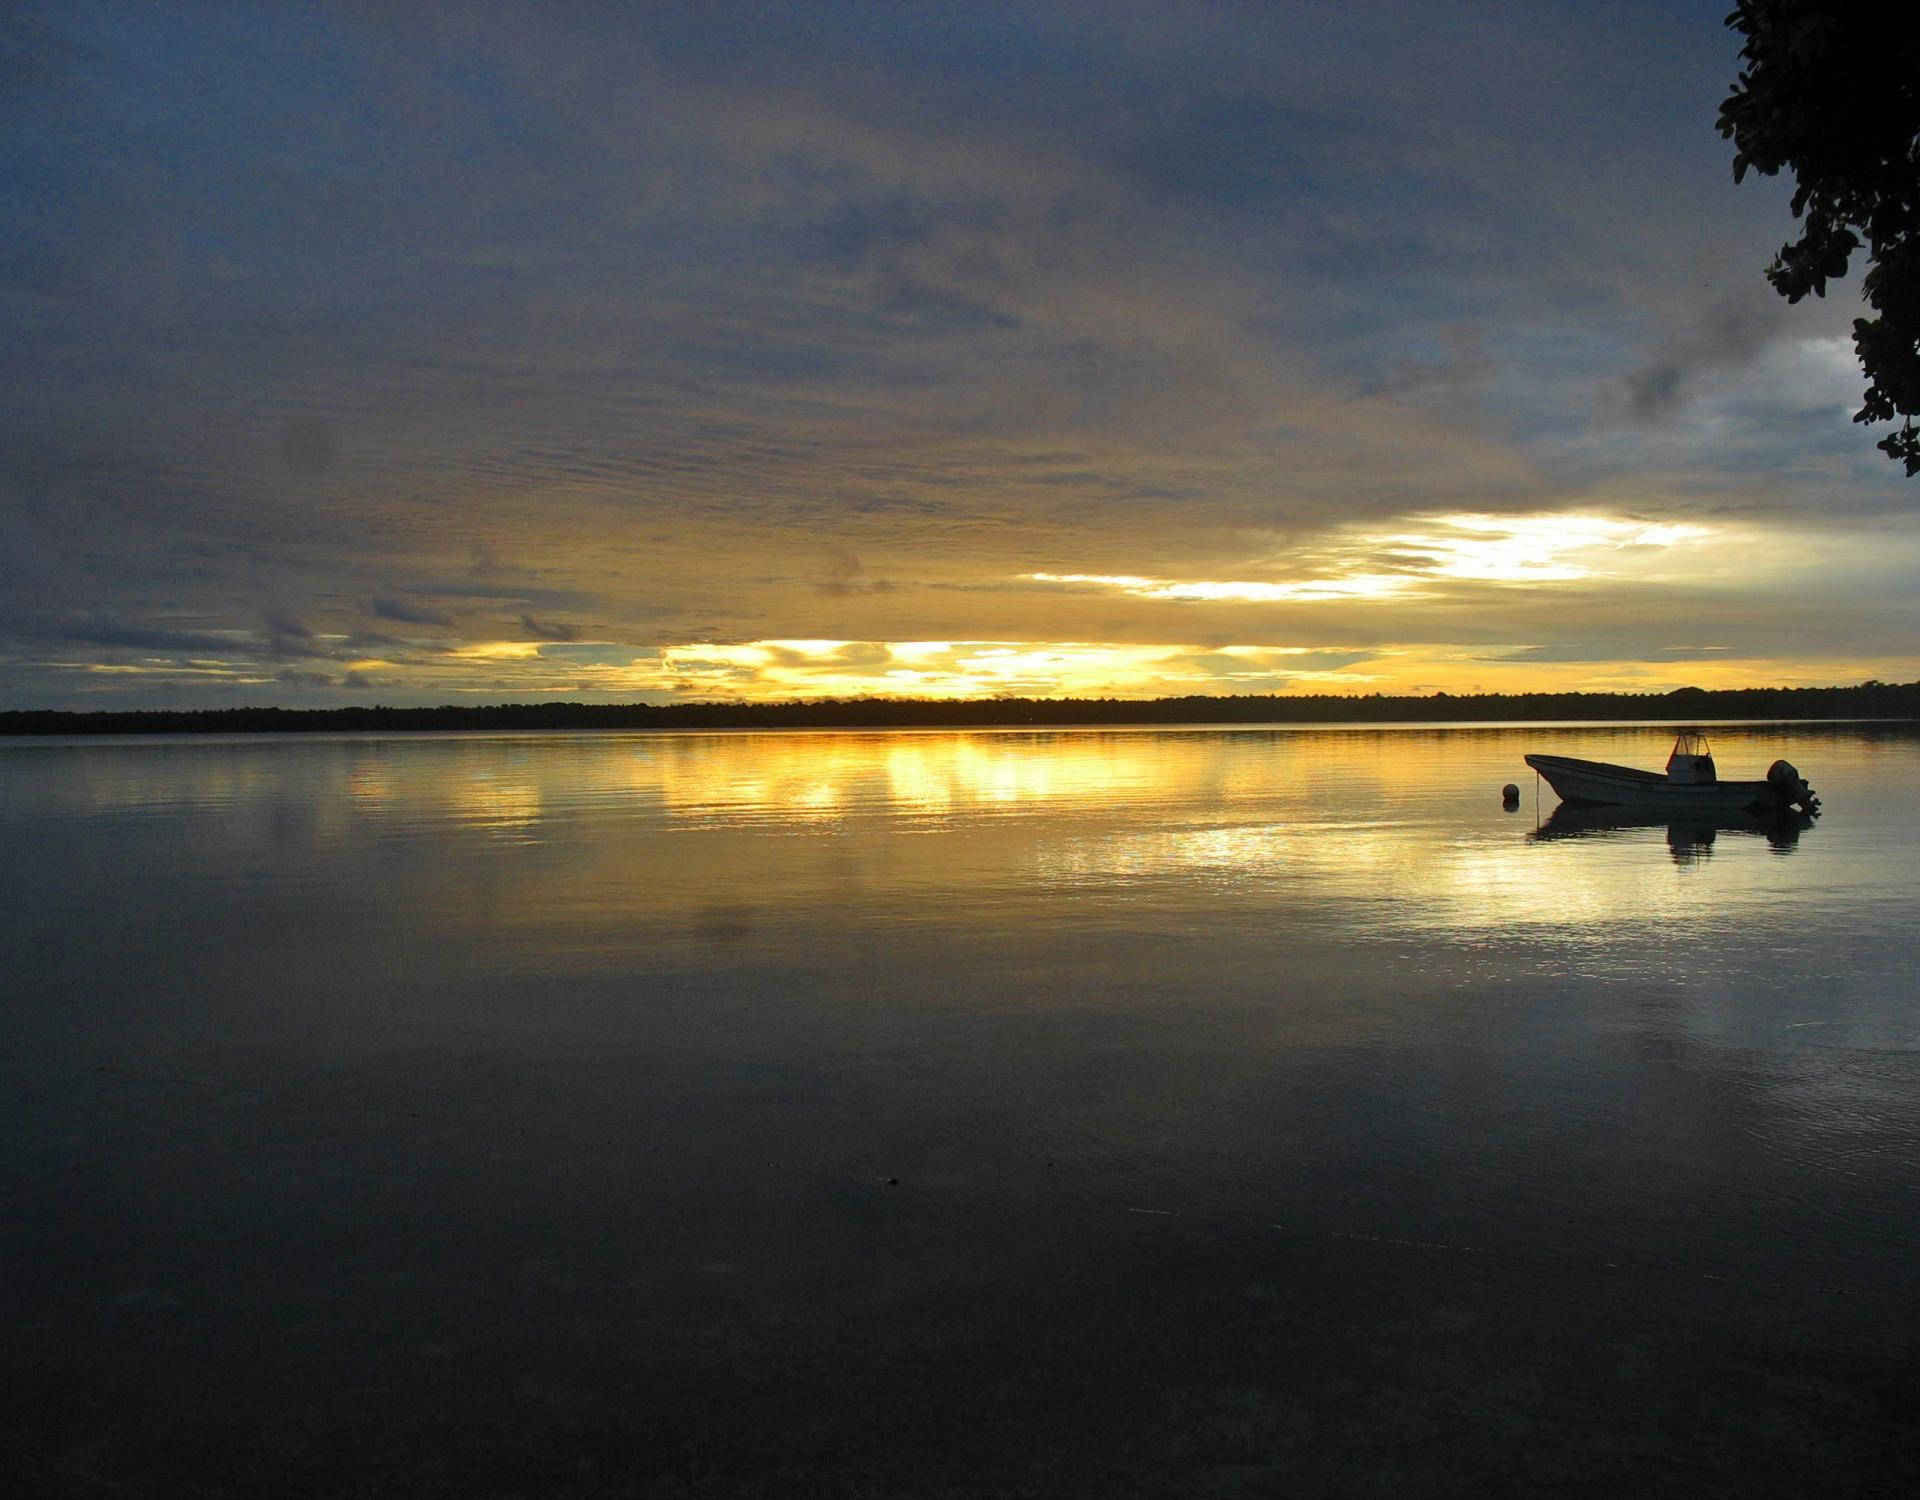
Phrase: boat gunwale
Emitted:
{"points": [[1607, 768]]}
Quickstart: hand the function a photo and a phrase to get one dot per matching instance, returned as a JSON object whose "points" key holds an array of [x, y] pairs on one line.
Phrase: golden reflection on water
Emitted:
{"points": [[1397, 829], [507, 803], [809, 777]]}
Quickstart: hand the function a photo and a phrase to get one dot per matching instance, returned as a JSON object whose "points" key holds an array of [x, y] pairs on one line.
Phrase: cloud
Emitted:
{"points": [[842, 575], [283, 624], [859, 655], [309, 445], [1610, 651], [548, 630], [389, 608], [1357, 586], [97, 632], [1437, 554], [1459, 364], [1733, 332], [288, 635]]}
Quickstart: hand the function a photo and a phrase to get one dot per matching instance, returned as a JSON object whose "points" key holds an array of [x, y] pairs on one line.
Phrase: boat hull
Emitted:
{"points": [[1596, 783]]}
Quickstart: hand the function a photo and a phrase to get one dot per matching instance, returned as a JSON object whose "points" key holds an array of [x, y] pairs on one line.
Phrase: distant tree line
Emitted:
{"points": [[1868, 700]]}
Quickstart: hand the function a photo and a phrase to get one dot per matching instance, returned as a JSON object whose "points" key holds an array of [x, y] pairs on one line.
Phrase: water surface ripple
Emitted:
{"points": [[1121, 1112]]}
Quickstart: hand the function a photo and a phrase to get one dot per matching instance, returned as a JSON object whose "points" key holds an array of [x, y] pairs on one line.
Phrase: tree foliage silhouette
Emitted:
{"points": [[1830, 90]]}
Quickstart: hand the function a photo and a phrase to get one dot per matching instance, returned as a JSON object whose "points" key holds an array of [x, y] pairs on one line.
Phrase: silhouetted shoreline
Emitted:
{"points": [[1870, 700]]}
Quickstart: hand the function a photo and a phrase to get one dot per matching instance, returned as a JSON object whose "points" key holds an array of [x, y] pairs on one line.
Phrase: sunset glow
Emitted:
{"points": [[406, 374]]}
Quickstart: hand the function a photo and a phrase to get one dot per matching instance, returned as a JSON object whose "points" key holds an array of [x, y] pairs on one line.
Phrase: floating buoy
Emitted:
{"points": [[1510, 795]]}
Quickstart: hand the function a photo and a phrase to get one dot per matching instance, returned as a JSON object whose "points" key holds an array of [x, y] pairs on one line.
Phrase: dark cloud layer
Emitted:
{"points": [[1728, 335], [389, 608], [549, 630]]}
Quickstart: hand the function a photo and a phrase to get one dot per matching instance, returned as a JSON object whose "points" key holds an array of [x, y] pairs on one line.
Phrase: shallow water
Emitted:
{"points": [[1151, 1112]]}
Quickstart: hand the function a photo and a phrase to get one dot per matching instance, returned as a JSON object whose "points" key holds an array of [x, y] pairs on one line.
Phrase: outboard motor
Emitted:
{"points": [[1791, 787]]}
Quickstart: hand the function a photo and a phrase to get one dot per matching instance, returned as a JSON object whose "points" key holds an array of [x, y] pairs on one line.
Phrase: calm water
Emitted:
{"points": [[1187, 1112]]}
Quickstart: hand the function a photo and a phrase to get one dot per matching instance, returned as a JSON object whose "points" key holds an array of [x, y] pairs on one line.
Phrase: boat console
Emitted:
{"points": [[1691, 763]]}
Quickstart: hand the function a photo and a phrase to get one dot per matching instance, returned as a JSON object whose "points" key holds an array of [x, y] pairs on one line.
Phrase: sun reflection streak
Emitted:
{"points": [[805, 779], [508, 805]]}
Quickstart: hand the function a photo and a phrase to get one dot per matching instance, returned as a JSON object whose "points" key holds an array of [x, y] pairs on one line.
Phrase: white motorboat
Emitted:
{"points": [[1690, 781]]}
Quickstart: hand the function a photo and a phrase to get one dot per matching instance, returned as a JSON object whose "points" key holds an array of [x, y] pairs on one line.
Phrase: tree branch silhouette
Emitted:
{"points": [[1830, 90]]}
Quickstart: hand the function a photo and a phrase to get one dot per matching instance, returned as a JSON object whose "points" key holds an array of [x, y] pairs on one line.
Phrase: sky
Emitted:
{"points": [[467, 353]]}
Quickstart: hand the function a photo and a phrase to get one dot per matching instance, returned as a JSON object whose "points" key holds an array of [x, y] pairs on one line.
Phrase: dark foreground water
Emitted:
{"points": [[1092, 1113]]}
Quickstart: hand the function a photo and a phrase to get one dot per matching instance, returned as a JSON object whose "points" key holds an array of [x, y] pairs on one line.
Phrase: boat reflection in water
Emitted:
{"points": [[1690, 835]]}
